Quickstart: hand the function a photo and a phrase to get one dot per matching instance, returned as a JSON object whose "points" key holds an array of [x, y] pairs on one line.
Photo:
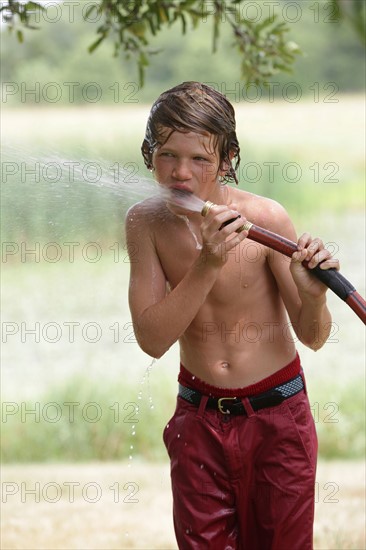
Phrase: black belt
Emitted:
{"points": [[234, 405]]}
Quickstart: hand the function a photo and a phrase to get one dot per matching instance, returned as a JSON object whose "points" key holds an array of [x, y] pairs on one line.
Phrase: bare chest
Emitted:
{"points": [[245, 270]]}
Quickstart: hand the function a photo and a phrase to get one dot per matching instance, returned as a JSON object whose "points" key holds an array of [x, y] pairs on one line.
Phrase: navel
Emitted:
{"points": [[225, 365]]}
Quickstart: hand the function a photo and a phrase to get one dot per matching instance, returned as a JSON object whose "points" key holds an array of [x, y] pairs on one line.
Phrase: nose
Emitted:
{"points": [[182, 170]]}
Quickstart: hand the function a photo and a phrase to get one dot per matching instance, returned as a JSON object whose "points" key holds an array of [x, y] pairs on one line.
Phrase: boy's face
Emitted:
{"points": [[189, 162]]}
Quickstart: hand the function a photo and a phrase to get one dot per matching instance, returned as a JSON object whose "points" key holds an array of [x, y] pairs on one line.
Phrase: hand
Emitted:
{"points": [[313, 251], [217, 240]]}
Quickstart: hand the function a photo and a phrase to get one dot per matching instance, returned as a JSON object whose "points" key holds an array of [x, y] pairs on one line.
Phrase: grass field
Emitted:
{"points": [[68, 330], [118, 506]]}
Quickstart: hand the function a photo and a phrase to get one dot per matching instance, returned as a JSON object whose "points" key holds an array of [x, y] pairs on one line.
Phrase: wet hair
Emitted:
{"points": [[194, 107]]}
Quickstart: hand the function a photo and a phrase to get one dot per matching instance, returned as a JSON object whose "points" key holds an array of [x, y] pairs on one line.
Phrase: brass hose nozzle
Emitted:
{"points": [[207, 207]]}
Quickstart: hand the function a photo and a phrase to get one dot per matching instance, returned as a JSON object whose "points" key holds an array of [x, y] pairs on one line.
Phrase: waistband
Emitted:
{"points": [[282, 376], [236, 405]]}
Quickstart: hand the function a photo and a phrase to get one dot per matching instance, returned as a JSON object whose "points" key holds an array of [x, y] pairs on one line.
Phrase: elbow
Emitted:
{"points": [[154, 353], [314, 344], [151, 343], [150, 348], [314, 335]]}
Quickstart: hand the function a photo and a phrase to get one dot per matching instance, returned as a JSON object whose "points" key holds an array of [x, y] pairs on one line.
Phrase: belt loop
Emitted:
{"points": [[202, 407], [304, 381], [247, 406]]}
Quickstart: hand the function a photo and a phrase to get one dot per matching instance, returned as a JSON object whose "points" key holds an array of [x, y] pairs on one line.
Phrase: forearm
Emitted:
{"points": [[160, 325], [314, 322]]}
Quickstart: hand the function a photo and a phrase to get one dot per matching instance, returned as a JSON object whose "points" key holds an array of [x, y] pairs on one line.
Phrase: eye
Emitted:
{"points": [[201, 159]]}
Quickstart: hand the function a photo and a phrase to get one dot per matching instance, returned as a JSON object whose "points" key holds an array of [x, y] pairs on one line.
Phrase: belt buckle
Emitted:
{"points": [[220, 406]]}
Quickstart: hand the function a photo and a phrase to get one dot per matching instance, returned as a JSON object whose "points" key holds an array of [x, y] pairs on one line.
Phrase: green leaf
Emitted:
{"points": [[151, 23], [195, 17], [89, 11], [34, 6], [184, 23], [216, 32], [95, 44], [266, 23], [142, 63], [164, 14], [282, 67], [138, 29]]}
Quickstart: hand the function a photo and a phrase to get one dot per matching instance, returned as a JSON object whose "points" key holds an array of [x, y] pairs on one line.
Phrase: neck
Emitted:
{"points": [[220, 194]]}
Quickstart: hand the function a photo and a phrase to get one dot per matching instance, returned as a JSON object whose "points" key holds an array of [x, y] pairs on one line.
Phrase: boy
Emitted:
{"points": [[242, 440]]}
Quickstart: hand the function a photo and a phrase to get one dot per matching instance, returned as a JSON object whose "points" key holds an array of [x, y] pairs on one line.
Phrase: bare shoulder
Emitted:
{"points": [[263, 212], [141, 228], [144, 215], [144, 211]]}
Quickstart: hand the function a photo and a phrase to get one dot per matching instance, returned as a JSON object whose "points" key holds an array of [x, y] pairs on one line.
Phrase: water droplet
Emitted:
{"points": [[198, 244], [131, 446], [193, 377], [178, 435], [202, 466], [133, 433], [167, 426], [130, 457]]}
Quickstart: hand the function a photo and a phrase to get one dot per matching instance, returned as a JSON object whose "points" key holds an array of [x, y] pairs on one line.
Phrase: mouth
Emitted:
{"points": [[177, 189], [181, 197], [177, 196]]}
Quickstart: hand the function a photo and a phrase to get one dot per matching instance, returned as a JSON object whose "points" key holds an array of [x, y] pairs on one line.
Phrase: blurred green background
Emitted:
{"points": [[67, 336]]}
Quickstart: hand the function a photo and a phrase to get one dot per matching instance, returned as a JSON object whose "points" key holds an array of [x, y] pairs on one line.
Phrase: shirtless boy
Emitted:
{"points": [[242, 440]]}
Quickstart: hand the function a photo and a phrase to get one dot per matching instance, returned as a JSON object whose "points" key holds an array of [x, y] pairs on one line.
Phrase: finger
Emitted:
{"points": [[332, 263], [235, 240], [318, 257], [215, 217], [313, 248], [232, 225], [303, 241], [223, 217], [299, 256], [214, 210]]}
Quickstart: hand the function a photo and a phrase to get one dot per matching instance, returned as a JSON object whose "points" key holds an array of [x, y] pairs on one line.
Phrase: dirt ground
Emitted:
{"points": [[114, 506]]}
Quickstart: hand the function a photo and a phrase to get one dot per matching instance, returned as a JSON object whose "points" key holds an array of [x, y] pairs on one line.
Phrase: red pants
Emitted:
{"points": [[243, 482]]}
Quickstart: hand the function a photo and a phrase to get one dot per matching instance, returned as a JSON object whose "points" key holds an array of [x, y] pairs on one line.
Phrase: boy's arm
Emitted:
{"points": [[159, 318], [303, 294]]}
